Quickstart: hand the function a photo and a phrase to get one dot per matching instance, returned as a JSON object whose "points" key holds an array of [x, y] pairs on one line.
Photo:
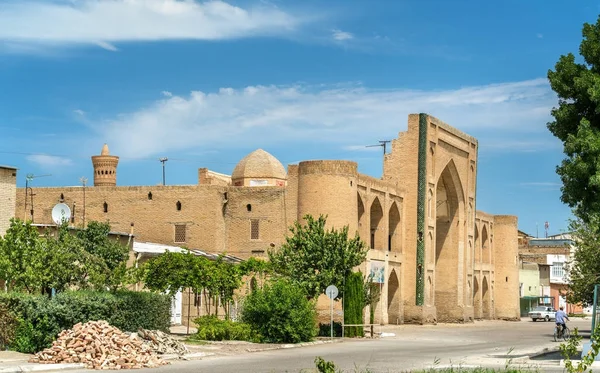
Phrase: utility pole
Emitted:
{"points": [[83, 181], [28, 179], [163, 160]]}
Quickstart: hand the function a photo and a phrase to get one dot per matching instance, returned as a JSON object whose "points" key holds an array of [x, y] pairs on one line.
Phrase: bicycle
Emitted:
{"points": [[565, 333]]}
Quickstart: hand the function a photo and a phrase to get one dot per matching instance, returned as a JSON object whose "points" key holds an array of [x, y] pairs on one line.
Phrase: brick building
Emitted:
{"points": [[8, 196], [439, 258]]}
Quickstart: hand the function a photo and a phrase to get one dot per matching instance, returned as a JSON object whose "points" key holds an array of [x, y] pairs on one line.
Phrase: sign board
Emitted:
{"points": [[377, 271], [258, 182], [331, 291]]}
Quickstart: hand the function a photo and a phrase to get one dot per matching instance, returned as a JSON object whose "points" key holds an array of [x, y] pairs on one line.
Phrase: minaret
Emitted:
{"points": [[105, 168]]}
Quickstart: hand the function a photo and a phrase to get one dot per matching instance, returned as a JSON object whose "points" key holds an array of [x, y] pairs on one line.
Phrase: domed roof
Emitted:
{"points": [[259, 165]]}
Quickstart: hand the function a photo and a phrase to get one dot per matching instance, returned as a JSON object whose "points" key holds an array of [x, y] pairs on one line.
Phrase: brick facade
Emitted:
{"points": [[8, 196], [438, 268]]}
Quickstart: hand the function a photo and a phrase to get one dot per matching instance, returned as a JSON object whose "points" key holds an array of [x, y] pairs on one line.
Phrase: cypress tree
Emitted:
{"points": [[354, 304]]}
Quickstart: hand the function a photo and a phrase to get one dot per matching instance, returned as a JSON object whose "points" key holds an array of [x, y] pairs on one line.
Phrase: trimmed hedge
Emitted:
{"points": [[211, 328], [42, 318]]}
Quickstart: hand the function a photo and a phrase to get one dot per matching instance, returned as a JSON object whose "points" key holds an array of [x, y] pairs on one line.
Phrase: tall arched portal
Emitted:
{"points": [[485, 299], [476, 298], [485, 246], [448, 282], [394, 298], [363, 228], [477, 245], [394, 232], [377, 231]]}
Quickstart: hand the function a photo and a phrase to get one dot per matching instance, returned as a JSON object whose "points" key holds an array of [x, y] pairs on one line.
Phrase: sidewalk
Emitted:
{"points": [[15, 362]]}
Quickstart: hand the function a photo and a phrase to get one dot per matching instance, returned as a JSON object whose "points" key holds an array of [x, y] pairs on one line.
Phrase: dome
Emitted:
{"points": [[258, 165]]}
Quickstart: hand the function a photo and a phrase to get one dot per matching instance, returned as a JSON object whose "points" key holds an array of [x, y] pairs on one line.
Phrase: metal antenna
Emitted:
{"points": [[163, 160], [83, 181], [383, 144], [29, 178]]}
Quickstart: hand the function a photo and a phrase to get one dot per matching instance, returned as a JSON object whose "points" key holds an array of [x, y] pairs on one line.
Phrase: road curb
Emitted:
{"points": [[296, 345], [40, 367]]}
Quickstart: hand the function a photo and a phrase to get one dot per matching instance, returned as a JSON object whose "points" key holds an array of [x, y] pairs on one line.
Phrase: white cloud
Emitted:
{"points": [[106, 22], [79, 112], [341, 35], [167, 94], [338, 115], [49, 161], [107, 46]]}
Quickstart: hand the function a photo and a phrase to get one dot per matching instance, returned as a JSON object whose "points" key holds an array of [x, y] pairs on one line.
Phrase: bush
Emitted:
{"points": [[325, 329], [42, 318], [8, 327], [211, 328], [280, 313]]}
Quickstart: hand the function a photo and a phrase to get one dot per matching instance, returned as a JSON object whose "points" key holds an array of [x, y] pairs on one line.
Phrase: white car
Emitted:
{"points": [[542, 313]]}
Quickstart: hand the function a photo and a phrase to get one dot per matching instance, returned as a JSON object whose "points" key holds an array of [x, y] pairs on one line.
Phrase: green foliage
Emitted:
{"points": [[8, 327], [170, 272], [280, 312], [42, 318], [325, 329], [354, 304], [211, 328], [584, 267], [324, 366], [314, 258], [61, 260], [571, 348], [577, 123]]}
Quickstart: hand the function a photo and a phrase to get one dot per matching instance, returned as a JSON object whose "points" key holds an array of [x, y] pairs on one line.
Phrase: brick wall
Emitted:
{"points": [[8, 196]]}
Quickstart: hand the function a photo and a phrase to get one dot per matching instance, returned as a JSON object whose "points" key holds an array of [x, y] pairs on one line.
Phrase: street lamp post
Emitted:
{"points": [[83, 181], [28, 179], [163, 160]]}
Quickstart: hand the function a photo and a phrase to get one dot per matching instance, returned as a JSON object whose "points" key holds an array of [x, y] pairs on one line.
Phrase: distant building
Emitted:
{"points": [[437, 258], [8, 196]]}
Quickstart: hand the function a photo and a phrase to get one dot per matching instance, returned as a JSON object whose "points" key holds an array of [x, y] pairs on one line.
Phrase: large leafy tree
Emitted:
{"points": [[314, 257], [584, 269], [577, 123]]}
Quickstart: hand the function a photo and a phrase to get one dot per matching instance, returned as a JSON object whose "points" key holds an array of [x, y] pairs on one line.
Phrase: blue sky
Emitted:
{"points": [[204, 83]]}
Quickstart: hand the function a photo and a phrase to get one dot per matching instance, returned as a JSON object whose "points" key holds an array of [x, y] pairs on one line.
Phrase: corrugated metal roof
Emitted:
{"points": [[549, 242], [157, 249]]}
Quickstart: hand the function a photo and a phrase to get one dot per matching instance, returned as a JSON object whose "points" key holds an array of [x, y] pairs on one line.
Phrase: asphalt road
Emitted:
{"points": [[486, 343]]}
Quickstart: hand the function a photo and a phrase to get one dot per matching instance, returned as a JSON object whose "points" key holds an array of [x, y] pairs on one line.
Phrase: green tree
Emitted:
{"points": [[584, 269], [21, 263], [577, 123], [314, 257], [354, 304], [107, 265]]}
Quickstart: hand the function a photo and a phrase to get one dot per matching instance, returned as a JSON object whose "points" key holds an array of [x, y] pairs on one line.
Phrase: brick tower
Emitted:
{"points": [[105, 168]]}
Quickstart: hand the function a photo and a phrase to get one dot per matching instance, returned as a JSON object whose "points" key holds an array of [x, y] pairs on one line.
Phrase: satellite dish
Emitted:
{"points": [[60, 213]]}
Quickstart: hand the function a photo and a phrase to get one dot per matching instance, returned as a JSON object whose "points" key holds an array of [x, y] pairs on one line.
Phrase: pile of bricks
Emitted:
{"points": [[99, 345], [162, 343]]}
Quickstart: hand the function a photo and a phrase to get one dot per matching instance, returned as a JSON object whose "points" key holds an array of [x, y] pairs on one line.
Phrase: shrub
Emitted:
{"points": [[325, 329], [211, 328], [280, 312], [8, 327], [42, 318]]}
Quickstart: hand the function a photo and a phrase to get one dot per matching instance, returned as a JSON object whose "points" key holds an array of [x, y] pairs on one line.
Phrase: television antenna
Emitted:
{"points": [[382, 143], [28, 179]]}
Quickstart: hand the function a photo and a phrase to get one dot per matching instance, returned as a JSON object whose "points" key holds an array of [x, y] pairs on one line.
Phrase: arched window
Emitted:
{"points": [[249, 207], [105, 207], [150, 196], [178, 205]]}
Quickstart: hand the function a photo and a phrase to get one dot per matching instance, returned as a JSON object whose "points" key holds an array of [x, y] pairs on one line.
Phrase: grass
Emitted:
{"points": [[192, 341]]}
